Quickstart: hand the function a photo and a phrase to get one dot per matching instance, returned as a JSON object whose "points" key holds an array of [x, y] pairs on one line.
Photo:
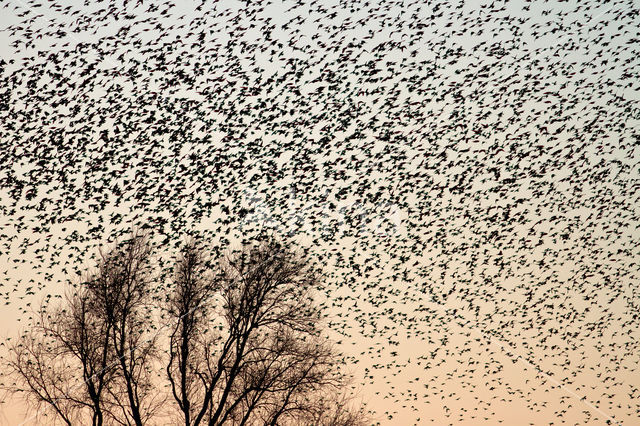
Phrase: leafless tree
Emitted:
{"points": [[244, 344], [91, 358], [121, 297]]}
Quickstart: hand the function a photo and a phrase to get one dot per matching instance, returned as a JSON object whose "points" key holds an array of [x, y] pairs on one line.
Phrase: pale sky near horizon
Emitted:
{"points": [[505, 196]]}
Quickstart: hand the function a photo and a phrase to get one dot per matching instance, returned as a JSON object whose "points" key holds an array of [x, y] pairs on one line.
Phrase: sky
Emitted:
{"points": [[466, 173]]}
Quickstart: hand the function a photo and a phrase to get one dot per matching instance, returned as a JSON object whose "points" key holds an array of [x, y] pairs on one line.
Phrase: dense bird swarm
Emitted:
{"points": [[467, 173]]}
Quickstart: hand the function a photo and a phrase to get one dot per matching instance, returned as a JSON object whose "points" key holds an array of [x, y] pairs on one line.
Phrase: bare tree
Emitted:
{"points": [[190, 342], [92, 358], [47, 362], [244, 344], [266, 362], [121, 297]]}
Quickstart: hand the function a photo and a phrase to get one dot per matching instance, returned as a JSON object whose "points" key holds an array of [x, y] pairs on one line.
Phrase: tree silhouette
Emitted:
{"points": [[93, 356], [242, 343]]}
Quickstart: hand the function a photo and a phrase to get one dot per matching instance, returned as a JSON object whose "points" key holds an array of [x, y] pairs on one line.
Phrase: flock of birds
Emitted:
{"points": [[467, 173]]}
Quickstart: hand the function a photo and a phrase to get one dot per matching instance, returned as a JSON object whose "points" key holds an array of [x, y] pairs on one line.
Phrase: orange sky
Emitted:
{"points": [[493, 195]]}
